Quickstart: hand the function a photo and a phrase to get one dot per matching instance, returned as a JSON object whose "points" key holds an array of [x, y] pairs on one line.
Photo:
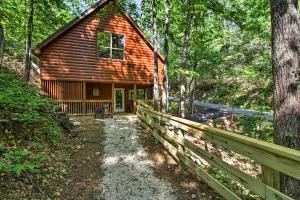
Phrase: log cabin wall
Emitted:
{"points": [[63, 90], [105, 91], [73, 55]]}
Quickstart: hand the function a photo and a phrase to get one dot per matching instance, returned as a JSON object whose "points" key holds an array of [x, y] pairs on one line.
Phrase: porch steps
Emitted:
{"points": [[64, 121]]}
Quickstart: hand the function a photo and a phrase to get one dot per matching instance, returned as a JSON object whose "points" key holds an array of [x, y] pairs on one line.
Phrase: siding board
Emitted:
{"points": [[73, 56]]}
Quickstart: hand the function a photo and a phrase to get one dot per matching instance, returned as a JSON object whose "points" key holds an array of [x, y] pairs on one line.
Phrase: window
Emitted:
{"points": [[103, 44], [96, 92], [110, 45], [142, 94], [130, 94]]}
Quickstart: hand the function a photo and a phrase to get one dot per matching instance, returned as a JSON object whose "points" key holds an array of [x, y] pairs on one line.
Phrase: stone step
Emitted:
{"points": [[66, 124]]}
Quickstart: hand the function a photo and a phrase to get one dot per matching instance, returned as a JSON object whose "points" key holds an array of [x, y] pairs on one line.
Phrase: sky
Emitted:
{"points": [[138, 2]]}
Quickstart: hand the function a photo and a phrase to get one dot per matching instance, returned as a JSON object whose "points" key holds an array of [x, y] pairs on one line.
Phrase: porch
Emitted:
{"points": [[81, 98]]}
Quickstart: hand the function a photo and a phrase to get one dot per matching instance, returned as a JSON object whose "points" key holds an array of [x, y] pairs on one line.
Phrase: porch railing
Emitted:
{"points": [[80, 107], [91, 105], [204, 149]]}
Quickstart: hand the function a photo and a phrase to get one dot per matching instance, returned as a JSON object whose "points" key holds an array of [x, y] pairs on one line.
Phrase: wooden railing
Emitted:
{"points": [[149, 102], [80, 107], [190, 143], [91, 105]]}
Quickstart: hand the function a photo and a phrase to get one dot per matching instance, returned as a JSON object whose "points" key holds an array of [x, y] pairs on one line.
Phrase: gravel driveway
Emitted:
{"points": [[127, 168]]}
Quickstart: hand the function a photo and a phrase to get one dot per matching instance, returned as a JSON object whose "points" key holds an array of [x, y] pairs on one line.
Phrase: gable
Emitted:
{"points": [[96, 8], [73, 55]]}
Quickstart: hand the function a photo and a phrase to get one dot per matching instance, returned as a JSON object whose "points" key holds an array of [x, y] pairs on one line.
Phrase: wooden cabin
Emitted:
{"points": [[101, 58]]}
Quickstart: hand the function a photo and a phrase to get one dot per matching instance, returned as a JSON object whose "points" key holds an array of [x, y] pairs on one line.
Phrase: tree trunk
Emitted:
{"points": [[155, 42], [192, 92], [1, 45], [285, 63], [186, 40], [192, 95], [165, 92], [27, 61]]}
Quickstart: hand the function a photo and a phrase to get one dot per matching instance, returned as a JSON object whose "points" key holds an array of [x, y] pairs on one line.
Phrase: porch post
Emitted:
{"points": [[149, 93], [84, 99], [134, 98], [112, 98]]}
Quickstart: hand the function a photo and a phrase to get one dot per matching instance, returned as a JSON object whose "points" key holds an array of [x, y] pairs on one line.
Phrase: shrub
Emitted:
{"points": [[17, 161], [24, 113], [255, 127], [173, 107], [26, 118]]}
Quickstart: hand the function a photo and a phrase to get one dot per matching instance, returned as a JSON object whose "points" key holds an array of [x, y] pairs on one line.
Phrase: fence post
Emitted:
{"points": [[1, 45], [181, 148], [270, 177]]}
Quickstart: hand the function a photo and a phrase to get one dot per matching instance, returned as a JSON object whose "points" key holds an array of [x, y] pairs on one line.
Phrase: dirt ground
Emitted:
{"points": [[76, 171], [85, 180]]}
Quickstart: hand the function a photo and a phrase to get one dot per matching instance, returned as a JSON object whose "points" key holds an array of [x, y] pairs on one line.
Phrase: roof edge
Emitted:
{"points": [[59, 32], [37, 49]]}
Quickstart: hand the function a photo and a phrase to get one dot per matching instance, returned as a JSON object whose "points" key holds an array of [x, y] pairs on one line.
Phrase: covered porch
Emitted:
{"points": [[81, 98]]}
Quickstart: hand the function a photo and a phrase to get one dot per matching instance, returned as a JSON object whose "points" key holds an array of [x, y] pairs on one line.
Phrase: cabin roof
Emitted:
{"points": [[99, 4]]}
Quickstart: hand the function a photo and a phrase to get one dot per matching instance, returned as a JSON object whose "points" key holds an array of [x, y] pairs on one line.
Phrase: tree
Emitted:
{"points": [[27, 61], [192, 87], [165, 92], [48, 17], [286, 94], [184, 64], [1, 45], [155, 44]]}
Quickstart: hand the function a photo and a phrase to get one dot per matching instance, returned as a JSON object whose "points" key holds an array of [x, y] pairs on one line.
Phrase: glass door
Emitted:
{"points": [[119, 100]]}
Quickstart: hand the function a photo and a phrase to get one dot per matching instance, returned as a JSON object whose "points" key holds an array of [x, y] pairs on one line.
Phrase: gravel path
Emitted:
{"points": [[127, 168]]}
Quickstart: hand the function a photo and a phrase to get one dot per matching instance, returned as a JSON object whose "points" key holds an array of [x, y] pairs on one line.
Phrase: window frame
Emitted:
{"points": [[111, 48]]}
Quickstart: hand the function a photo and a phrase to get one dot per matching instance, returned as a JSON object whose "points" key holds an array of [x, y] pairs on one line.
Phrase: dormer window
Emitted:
{"points": [[110, 45]]}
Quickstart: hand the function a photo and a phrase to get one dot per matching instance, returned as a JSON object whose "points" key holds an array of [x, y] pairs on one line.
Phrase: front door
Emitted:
{"points": [[119, 100]]}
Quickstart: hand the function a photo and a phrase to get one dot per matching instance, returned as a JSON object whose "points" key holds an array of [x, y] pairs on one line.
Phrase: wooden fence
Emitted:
{"points": [[79, 107], [176, 133]]}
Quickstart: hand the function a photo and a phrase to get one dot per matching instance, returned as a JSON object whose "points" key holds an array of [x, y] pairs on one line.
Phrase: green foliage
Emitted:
{"points": [[25, 119], [18, 161], [173, 107], [232, 184], [49, 15], [27, 115], [229, 49], [255, 127]]}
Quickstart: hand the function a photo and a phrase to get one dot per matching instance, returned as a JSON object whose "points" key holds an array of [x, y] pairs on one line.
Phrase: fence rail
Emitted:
{"points": [[79, 107], [174, 133]]}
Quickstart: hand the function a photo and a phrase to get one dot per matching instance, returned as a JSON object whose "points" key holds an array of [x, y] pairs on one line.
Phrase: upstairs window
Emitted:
{"points": [[110, 45]]}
